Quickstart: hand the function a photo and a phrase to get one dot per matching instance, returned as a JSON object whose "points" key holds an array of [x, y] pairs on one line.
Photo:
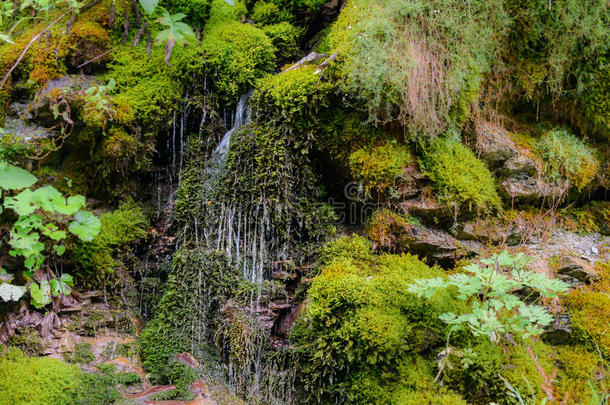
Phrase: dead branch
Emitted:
{"points": [[25, 50], [312, 57], [101, 55]]}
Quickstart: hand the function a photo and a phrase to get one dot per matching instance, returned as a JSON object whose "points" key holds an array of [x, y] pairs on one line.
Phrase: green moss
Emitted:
{"points": [[589, 313], [565, 156], [82, 354], [235, 54], [579, 368], [285, 37], [199, 284], [100, 258], [291, 100], [416, 62], [460, 179], [389, 230], [359, 322], [197, 11], [37, 380], [378, 168], [28, 340], [269, 13]]}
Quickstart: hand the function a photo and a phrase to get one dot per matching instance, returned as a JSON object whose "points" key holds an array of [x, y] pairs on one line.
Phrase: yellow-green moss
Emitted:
{"points": [[566, 156], [359, 322], [460, 179], [378, 168], [388, 230]]}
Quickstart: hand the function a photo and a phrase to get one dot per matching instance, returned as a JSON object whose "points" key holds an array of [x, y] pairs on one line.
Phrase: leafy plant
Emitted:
{"points": [[176, 32], [45, 216], [496, 309]]}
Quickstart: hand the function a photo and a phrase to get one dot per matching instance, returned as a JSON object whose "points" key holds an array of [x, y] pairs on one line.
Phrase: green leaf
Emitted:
{"points": [[230, 2], [15, 178], [6, 38], [86, 226], [59, 287], [9, 292], [22, 203], [59, 249], [41, 294], [149, 5], [66, 278]]}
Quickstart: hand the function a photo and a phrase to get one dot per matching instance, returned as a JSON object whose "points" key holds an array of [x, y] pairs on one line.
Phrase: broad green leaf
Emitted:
{"points": [[66, 278], [85, 225], [230, 2], [70, 206], [15, 178], [59, 287], [59, 249], [22, 203], [40, 294], [9, 292], [149, 5]]}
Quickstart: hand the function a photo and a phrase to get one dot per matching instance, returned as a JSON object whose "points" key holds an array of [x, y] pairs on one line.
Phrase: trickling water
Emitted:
{"points": [[242, 117]]}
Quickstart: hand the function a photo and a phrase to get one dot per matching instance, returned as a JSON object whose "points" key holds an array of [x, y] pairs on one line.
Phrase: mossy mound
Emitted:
{"points": [[359, 323], [460, 179]]}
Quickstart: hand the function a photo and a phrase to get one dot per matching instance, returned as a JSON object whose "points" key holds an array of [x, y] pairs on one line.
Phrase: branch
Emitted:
{"points": [[34, 39]]}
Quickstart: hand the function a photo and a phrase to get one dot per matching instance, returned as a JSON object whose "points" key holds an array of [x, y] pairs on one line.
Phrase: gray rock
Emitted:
{"points": [[559, 332], [577, 268], [518, 164], [524, 188], [494, 144]]}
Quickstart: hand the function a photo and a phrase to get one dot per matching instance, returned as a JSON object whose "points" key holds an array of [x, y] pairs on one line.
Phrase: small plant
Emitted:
{"points": [[491, 290], [567, 157], [97, 101], [45, 217]]}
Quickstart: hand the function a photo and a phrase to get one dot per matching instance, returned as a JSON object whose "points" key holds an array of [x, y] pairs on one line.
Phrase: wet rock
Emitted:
{"points": [[66, 343], [494, 144], [577, 268], [155, 389], [187, 359], [429, 211], [519, 164], [437, 246], [559, 332]]}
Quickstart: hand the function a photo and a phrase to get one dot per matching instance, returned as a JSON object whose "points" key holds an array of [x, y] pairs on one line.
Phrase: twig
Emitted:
{"points": [[95, 58], [34, 39]]}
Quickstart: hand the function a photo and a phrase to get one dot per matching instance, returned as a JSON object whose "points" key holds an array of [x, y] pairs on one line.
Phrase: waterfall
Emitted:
{"points": [[243, 115]]}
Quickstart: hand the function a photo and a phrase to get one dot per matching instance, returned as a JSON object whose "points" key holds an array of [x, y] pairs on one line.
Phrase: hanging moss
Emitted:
{"points": [[100, 258], [187, 315]]}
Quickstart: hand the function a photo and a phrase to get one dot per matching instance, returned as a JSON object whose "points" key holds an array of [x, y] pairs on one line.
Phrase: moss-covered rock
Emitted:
{"points": [[359, 322], [460, 179]]}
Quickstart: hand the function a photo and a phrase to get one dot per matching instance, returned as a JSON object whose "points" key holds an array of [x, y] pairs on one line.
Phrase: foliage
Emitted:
{"points": [[460, 179], [101, 257], [176, 32], [358, 321], [45, 217], [413, 61], [285, 38], [490, 291], [566, 156], [378, 168], [40, 380], [265, 12]]}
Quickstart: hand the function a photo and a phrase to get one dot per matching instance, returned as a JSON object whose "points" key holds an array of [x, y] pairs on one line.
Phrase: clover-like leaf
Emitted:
{"points": [[85, 226]]}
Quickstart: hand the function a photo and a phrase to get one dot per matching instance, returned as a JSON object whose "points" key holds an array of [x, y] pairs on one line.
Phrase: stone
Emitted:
{"points": [[518, 164], [493, 143], [523, 188], [577, 268], [486, 232], [187, 359], [559, 332]]}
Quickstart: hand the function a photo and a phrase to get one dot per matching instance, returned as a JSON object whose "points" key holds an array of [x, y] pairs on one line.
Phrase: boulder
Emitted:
{"points": [[487, 232], [436, 246], [524, 188], [519, 164], [494, 144], [572, 267]]}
